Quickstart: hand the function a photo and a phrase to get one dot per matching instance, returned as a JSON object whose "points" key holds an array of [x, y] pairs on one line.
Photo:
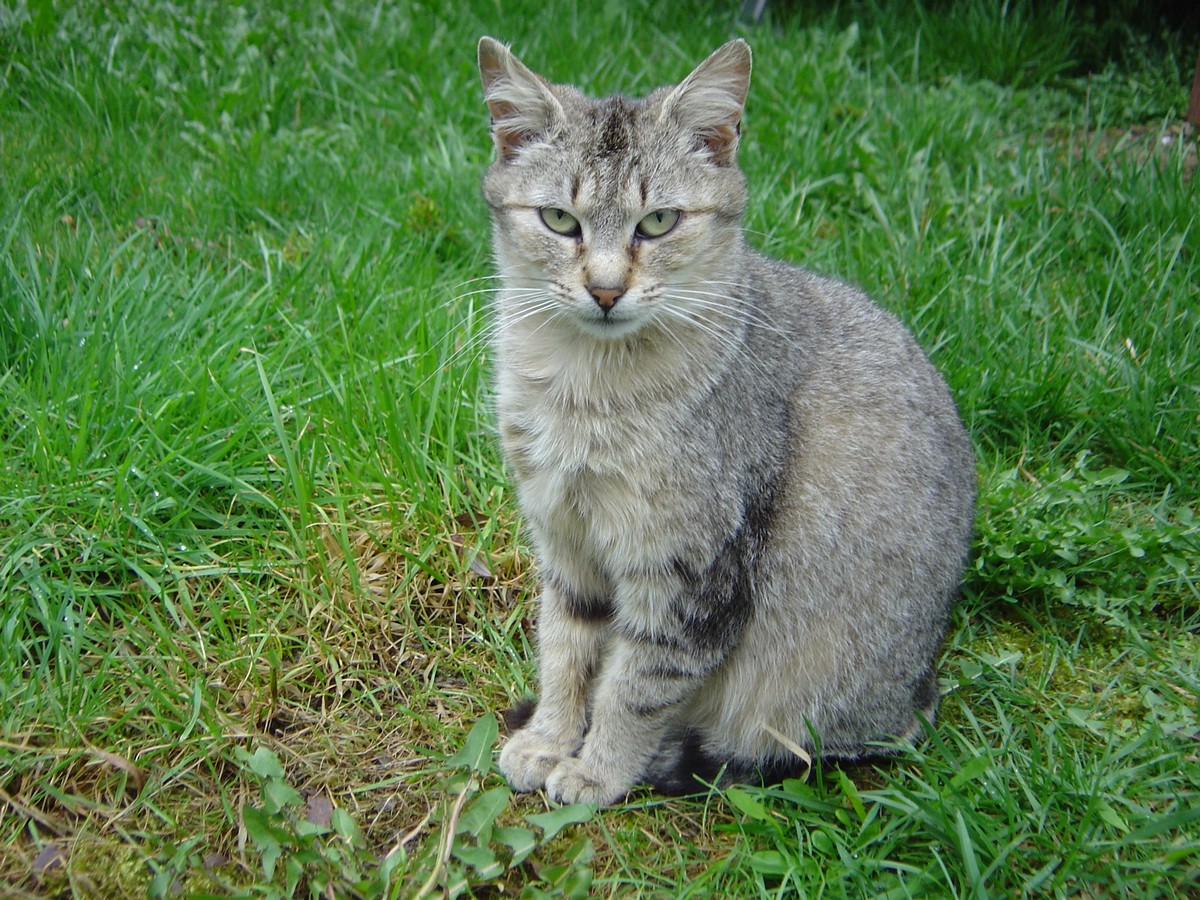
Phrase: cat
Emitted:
{"points": [[750, 494]]}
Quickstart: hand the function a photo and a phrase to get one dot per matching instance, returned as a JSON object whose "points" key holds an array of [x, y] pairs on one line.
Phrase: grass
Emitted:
{"points": [[260, 569]]}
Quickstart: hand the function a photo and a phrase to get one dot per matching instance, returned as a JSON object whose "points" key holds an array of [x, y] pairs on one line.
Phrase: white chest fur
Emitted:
{"points": [[599, 479], [609, 442]]}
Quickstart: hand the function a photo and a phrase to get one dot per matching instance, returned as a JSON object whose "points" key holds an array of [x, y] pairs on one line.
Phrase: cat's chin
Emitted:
{"points": [[610, 328]]}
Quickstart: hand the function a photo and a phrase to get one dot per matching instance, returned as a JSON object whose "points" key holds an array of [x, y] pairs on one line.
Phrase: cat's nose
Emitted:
{"points": [[606, 298]]}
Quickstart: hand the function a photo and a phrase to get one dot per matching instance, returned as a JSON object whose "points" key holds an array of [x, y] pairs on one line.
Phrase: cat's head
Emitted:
{"points": [[612, 214]]}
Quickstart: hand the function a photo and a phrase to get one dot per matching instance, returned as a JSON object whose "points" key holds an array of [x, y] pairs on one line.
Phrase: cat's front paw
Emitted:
{"points": [[528, 757], [573, 781]]}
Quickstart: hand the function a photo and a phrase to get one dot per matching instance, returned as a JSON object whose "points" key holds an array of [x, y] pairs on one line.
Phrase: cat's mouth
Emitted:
{"points": [[609, 324]]}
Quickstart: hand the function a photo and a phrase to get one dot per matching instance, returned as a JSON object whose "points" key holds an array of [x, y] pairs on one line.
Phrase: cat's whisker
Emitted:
{"points": [[708, 326], [500, 282], [730, 292], [734, 308], [526, 308], [554, 312], [476, 341], [493, 276], [720, 311], [716, 333], [743, 301], [712, 327]]}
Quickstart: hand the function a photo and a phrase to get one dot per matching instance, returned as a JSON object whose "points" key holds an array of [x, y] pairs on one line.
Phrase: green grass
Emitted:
{"points": [[257, 548]]}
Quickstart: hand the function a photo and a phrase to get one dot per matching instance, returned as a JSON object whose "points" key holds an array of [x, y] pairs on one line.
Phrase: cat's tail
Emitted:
{"points": [[518, 716], [684, 765]]}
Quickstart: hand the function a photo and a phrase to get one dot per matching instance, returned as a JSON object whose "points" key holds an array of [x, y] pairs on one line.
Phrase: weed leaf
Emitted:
{"points": [[747, 805], [971, 770], [476, 752], [265, 837], [278, 795], [262, 763], [483, 810], [769, 862], [556, 820], [346, 828], [521, 841], [481, 859]]}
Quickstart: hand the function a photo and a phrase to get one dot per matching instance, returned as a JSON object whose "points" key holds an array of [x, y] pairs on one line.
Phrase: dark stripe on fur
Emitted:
{"points": [[648, 710], [663, 671], [612, 119], [587, 608], [716, 603], [651, 638]]}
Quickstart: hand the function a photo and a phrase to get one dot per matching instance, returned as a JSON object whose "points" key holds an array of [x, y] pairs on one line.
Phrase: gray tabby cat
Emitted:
{"points": [[749, 492]]}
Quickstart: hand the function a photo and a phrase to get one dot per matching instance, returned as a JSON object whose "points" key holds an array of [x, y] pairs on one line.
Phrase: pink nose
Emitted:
{"points": [[606, 298]]}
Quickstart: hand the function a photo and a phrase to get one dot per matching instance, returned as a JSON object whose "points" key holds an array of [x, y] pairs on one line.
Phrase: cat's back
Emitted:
{"points": [[873, 425], [847, 350], [832, 329]]}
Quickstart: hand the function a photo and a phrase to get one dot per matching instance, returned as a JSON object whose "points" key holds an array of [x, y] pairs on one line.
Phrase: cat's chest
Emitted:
{"points": [[608, 476], [552, 438]]}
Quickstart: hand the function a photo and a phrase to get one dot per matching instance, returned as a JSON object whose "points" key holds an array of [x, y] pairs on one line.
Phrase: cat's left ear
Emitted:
{"points": [[520, 101], [709, 102]]}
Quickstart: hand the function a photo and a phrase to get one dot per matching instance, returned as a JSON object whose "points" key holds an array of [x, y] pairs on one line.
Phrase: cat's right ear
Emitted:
{"points": [[709, 102], [520, 101]]}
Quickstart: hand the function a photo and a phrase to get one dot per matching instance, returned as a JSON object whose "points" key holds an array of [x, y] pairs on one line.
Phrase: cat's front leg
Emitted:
{"points": [[674, 630], [638, 697], [571, 634]]}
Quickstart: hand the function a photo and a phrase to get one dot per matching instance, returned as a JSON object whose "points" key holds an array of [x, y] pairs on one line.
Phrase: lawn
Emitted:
{"points": [[263, 587]]}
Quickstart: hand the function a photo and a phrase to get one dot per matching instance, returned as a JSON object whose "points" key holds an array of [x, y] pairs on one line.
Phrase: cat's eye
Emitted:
{"points": [[560, 221], [657, 223]]}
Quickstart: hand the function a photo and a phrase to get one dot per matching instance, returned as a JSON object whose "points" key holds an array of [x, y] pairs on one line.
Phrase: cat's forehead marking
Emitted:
{"points": [[612, 123], [606, 182], [608, 195]]}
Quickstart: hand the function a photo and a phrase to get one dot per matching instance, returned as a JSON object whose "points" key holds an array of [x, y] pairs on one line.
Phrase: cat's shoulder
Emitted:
{"points": [[796, 292]]}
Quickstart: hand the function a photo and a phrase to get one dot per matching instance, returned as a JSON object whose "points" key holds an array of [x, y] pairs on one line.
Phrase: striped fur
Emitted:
{"points": [[749, 492]]}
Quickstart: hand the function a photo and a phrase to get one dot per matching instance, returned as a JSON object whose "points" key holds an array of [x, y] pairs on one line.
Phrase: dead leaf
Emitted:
{"points": [[319, 811], [477, 564], [137, 775], [480, 568], [470, 519], [53, 856]]}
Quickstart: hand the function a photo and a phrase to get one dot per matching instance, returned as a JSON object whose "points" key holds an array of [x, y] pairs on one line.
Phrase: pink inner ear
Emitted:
{"points": [[500, 109], [507, 139], [721, 141]]}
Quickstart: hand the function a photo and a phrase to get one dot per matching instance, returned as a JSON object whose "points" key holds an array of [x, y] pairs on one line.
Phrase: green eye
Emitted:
{"points": [[657, 223], [560, 221]]}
